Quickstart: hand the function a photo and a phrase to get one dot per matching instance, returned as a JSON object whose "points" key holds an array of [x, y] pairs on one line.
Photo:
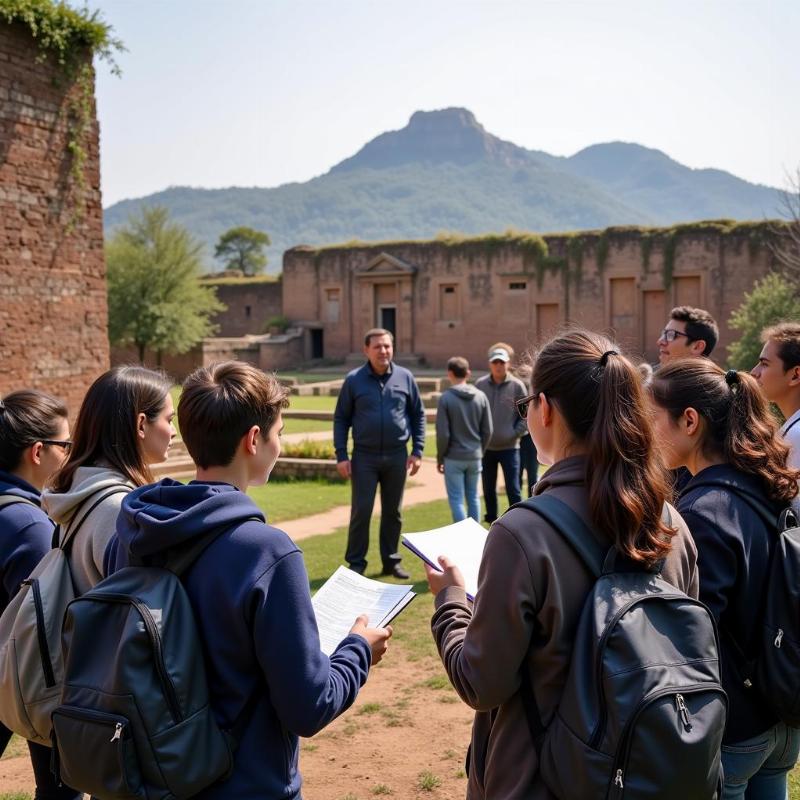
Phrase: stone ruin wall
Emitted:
{"points": [[53, 313], [462, 297]]}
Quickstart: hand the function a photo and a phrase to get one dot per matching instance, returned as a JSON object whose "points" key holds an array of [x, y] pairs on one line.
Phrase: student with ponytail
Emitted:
{"points": [[34, 441], [718, 425], [589, 418], [124, 425]]}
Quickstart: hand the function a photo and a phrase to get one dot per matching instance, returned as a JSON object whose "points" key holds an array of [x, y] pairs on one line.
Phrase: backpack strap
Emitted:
{"points": [[10, 499], [571, 527], [116, 488]]}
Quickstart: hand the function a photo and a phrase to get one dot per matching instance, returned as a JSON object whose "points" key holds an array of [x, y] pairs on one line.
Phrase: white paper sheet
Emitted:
{"points": [[345, 595], [462, 542]]}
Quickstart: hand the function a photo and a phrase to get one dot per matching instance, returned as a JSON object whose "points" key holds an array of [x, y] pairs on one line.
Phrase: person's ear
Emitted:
{"points": [[36, 453], [691, 422], [141, 418], [250, 440], [545, 410], [698, 347], [794, 376]]}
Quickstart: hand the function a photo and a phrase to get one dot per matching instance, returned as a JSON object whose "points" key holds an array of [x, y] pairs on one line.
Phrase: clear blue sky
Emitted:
{"points": [[264, 92]]}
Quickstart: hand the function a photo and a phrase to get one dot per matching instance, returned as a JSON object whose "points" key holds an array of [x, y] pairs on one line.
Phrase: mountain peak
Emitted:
{"points": [[447, 135]]}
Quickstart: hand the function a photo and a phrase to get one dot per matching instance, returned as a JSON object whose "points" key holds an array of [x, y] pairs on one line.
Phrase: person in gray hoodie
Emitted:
{"points": [[463, 431], [124, 425], [503, 390]]}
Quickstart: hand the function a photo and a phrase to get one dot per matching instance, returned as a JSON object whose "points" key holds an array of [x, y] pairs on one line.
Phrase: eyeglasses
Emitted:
{"points": [[523, 402], [65, 443], [670, 335]]}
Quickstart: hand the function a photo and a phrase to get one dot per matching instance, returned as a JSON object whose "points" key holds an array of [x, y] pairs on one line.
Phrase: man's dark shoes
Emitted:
{"points": [[396, 571]]}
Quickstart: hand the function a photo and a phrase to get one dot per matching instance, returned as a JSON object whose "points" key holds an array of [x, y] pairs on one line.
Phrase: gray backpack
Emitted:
{"points": [[31, 667], [642, 712]]}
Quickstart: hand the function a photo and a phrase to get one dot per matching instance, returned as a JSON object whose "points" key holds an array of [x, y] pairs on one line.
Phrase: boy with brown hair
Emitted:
{"points": [[249, 588]]}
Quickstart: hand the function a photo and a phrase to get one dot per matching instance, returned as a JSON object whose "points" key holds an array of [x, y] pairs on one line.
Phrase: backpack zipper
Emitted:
{"points": [[41, 632], [623, 750], [167, 686], [599, 730]]}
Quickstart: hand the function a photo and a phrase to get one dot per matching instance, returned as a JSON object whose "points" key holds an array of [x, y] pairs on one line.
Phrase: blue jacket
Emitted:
{"points": [[250, 594], [26, 534], [384, 411], [733, 550]]}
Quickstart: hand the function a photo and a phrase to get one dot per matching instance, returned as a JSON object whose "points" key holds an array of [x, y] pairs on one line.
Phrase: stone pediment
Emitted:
{"points": [[384, 264]]}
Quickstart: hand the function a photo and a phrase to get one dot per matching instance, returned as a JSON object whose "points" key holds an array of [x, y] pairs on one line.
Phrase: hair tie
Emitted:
{"points": [[604, 357], [731, 377]]}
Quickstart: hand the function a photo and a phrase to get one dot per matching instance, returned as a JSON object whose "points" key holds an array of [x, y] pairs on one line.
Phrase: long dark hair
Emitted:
{"points": [[599, 393], [738, 424], [105, 431], [26, 417]]}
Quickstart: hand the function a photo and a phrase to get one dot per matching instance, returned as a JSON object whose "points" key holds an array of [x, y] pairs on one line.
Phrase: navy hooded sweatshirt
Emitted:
{"points": [[734, 546], [250, 594], [26, 534]]}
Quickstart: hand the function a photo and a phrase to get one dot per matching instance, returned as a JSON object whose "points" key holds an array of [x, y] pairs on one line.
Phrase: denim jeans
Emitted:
{"points": [[528, 462], [756, 768], [508, 460], [461, 483]]}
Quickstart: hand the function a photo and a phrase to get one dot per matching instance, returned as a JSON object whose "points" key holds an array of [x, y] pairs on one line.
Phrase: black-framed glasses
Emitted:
{"points": [[523, 402], [65, 443], [670, 335]]}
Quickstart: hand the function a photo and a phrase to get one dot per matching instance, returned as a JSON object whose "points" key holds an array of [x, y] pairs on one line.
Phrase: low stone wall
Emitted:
{"points": [[306, 469]]}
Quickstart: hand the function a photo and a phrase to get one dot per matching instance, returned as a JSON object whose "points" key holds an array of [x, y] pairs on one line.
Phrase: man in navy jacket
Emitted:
{"points": [[380, 402], [249, 588]]}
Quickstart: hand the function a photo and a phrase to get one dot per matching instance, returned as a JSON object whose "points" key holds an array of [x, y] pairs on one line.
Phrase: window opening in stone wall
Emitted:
{"points": [[332, 304], [248, 311], [448, 303], [517, 286]]}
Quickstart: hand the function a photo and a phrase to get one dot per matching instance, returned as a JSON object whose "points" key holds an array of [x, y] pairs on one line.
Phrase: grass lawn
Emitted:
{"points": [[312, 402], [307, 425], [282, 500]]}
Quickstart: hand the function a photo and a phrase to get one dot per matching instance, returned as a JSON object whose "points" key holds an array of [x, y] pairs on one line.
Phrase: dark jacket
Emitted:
{"points": [[384, 411], [250, 594], [532, 587], [463, 424], [26, 534], [733, 551]]}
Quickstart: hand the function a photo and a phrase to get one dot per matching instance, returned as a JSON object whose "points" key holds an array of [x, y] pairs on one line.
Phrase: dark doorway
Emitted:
{"points": [[388, 319], [317, 349]]}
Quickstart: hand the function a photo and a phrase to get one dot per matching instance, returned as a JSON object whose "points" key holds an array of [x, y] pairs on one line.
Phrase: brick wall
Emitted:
{"points": [[249, 304], [458, 299], [53, 315]]}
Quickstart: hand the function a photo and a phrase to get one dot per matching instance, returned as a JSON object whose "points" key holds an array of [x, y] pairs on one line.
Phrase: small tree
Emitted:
{"points": [[773, 299], [155, 299], [243, 248]]}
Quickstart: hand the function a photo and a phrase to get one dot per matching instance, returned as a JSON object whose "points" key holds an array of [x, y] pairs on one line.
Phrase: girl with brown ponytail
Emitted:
{"points": [[718, 425], [589, 418]]}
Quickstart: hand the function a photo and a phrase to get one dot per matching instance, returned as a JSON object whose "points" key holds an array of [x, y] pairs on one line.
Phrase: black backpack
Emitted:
{"points": [[642, 712], [135, 719], [773, 670]]}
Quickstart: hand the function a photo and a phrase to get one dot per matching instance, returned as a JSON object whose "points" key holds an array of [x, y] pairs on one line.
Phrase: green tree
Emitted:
{"points": [[773, 299], [155, 298], [243, 248]]}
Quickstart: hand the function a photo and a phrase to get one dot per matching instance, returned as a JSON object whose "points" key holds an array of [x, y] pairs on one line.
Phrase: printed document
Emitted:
{"points": [[462, 543], [345, 595]]}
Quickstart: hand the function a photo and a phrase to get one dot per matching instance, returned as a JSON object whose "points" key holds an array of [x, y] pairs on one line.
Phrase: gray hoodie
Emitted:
{"points": [[463, 424], [89, 545], [508, 426]]}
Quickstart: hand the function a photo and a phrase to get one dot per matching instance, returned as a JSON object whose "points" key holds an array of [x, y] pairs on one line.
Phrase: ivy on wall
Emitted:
{"points": [[71, 38]]}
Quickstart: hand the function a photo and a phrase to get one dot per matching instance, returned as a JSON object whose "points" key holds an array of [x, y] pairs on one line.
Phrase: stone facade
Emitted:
{"points": [[53, 315], [250, 303], [456, 298]]}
